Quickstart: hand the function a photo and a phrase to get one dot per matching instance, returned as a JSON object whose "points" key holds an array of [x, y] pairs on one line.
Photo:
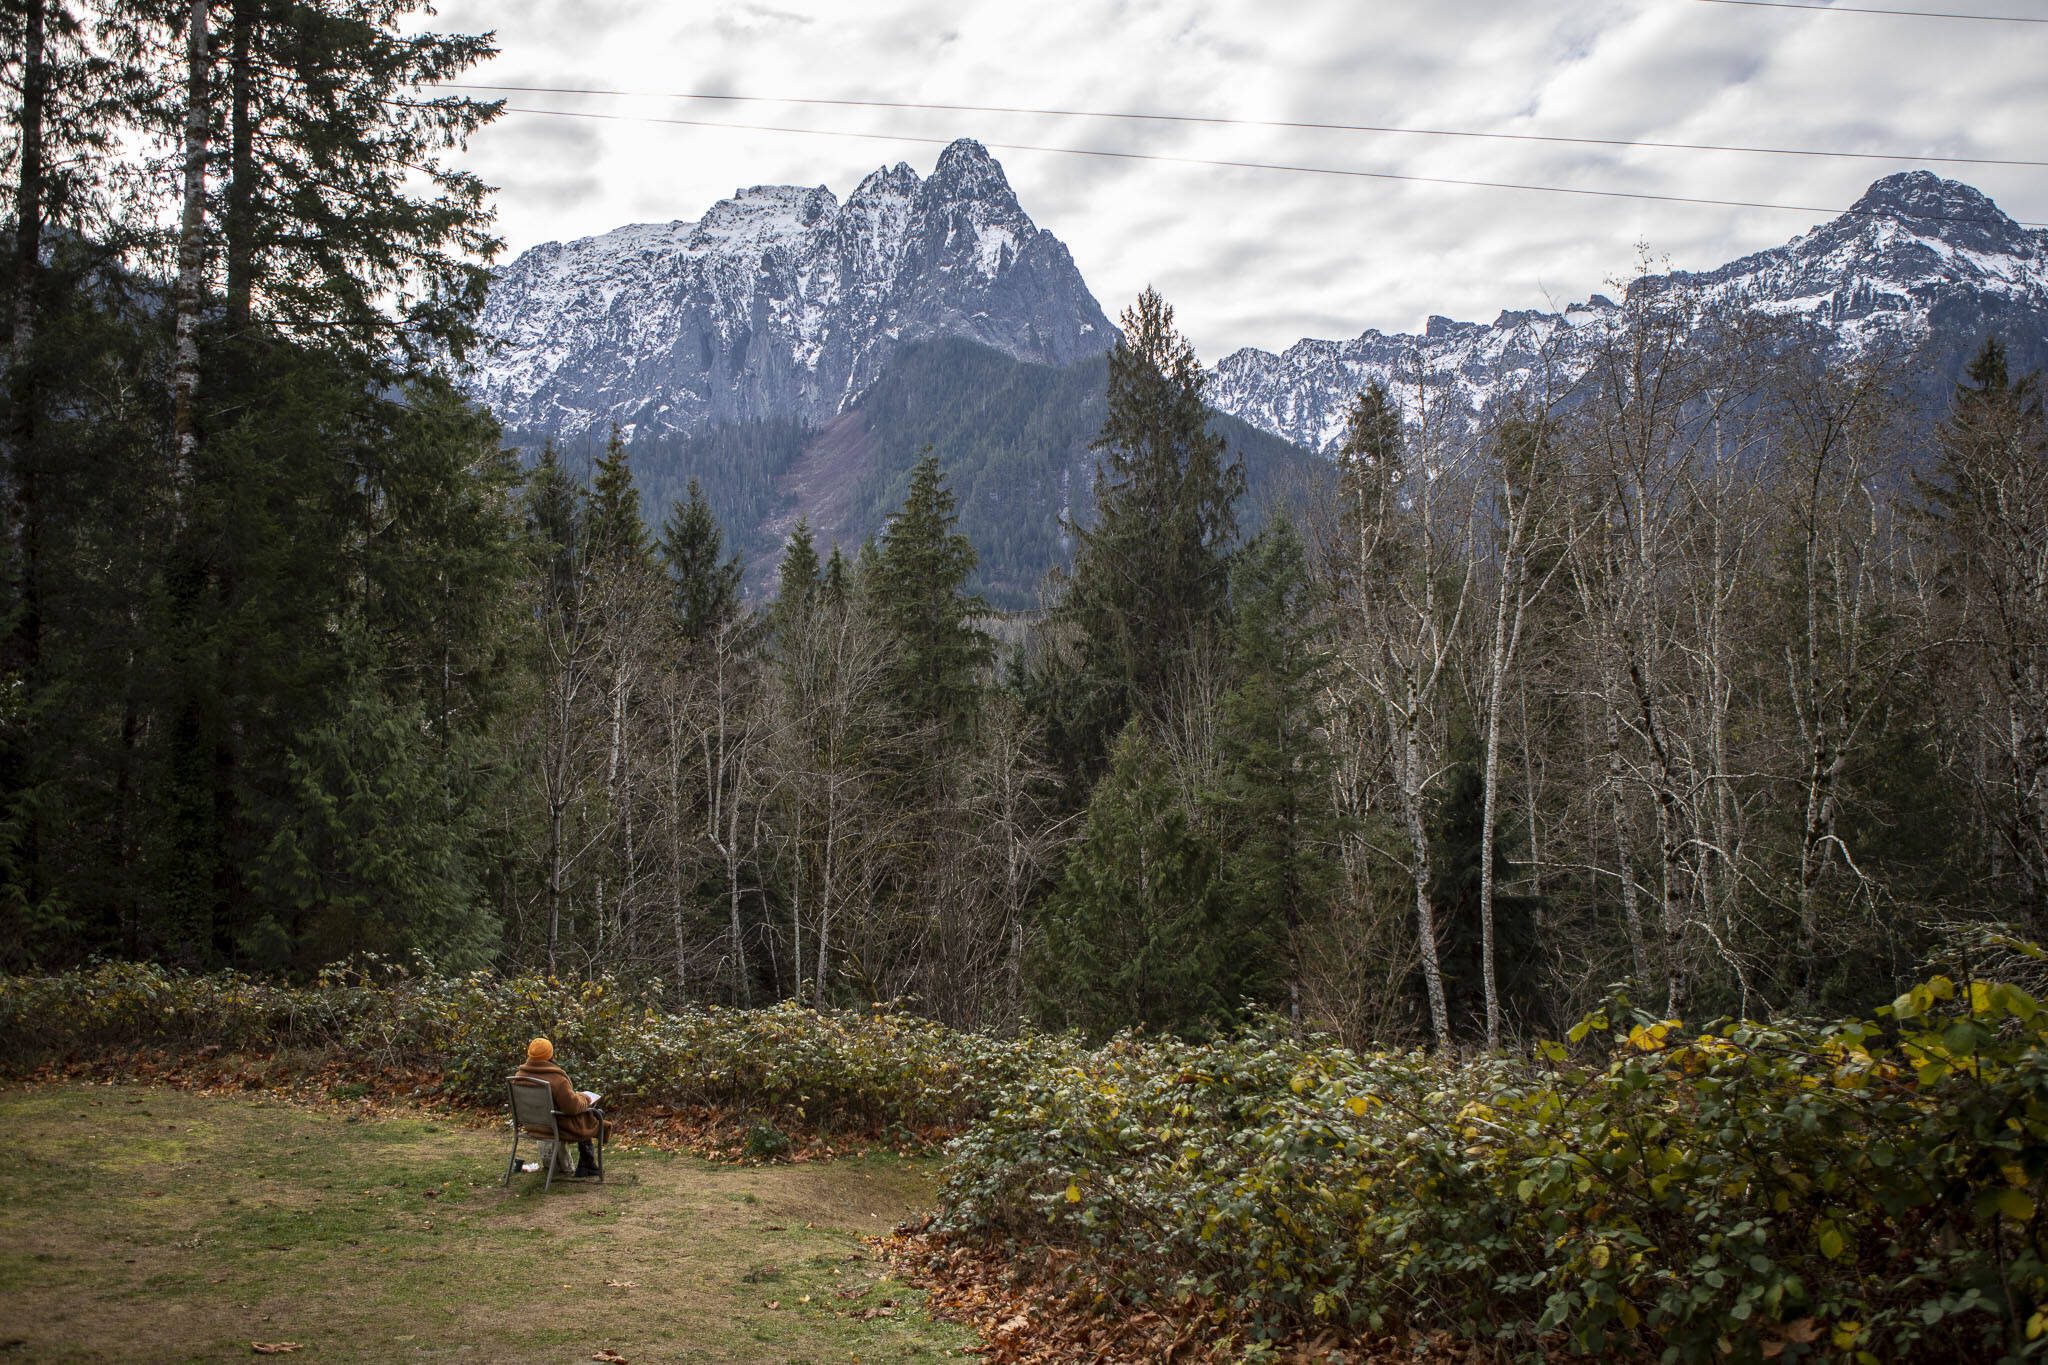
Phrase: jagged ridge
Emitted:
{"points": [[1919, 263], [779, 302]]}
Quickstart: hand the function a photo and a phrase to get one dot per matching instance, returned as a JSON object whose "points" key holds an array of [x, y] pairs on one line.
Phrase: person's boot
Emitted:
{"points": [[586, 1161]]}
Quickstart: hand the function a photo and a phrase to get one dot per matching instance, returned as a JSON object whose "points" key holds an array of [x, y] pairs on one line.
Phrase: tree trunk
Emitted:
{"points": [[188, 293], [241, 167], [732, 882], [1669, 841], [1624, 854], [28, 200], [23, 656], [554, 880], [1499, 661], [1418, 840]]}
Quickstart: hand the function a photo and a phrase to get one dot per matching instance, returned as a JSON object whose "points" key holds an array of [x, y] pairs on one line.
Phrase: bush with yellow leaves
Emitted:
{"points": [[1863, 1190]]}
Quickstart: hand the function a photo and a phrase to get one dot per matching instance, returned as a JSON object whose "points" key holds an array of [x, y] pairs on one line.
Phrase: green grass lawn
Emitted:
{"points": [[151, 1224]]}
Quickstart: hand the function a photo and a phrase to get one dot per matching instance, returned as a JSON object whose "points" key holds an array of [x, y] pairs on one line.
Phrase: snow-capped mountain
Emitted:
{"points": [[780, 302], [1919, 263]]}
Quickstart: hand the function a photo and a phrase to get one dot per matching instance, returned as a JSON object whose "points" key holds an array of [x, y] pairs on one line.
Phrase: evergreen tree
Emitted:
{"points": [[1135, 933], [918, 591], [554, 527], [1371, 465], [837, 585], [336, 220], [1985, 509], [1150, 587], [1275, 823], [615, 534], [377, 850], [705, 584], [796, 581]]}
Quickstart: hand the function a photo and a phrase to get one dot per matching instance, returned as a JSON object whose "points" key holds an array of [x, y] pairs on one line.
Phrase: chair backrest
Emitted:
{"points": [[533, 1104]]}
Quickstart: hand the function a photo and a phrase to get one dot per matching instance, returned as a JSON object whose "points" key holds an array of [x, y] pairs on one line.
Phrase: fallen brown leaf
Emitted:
{"points": [[275, 1348]]}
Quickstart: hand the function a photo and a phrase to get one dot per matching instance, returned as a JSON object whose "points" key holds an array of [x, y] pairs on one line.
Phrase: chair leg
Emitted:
{"points": [[554, 1155], [512, 1162]]}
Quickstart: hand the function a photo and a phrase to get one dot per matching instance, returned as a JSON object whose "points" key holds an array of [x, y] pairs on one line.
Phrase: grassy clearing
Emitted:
{"points": [[141, 1223]]}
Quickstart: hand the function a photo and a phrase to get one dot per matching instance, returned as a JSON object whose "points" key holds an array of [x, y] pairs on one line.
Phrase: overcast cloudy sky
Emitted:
{"points": [[1256, 257]]}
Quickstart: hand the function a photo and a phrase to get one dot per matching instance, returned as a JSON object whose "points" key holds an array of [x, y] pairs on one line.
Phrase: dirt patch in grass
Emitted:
{"points": [[156, 1224]]}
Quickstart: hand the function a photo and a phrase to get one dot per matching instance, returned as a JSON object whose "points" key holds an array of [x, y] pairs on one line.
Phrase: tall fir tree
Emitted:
{"points": [[1371, 467], [615, 534], [919, 592], [554, 527], [796, 577], [1272, 808], [1984, 511], [1149, 592], [704, 582], [336, 220]]}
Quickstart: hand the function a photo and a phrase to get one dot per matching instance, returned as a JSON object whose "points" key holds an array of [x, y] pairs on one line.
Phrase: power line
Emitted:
{"points": [[1865, 9], [1227, 164], [1219, 121]]}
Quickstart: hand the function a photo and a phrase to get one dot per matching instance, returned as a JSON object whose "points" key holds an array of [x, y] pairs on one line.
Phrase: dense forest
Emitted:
{"points": [[1720, 669], [1013, 439]]}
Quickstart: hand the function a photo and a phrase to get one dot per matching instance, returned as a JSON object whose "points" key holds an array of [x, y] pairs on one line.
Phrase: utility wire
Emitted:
{"points": [[1865, 9], [1235, 165], [1246, 123]]}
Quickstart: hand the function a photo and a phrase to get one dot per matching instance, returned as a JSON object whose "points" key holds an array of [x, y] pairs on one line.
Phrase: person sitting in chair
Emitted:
{"points": [[576, 1111]]}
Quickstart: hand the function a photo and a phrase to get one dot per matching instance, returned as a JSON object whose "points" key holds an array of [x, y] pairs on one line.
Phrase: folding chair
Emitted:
{"points": [[533, 1107]]}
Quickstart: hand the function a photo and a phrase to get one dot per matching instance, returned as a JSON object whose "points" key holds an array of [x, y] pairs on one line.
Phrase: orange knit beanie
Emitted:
{"points": [[540, 1050]]}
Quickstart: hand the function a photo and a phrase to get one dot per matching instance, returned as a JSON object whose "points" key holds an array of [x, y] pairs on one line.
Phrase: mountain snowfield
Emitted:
{"points": [[1921, 264], [782, 302], [779, 302]]}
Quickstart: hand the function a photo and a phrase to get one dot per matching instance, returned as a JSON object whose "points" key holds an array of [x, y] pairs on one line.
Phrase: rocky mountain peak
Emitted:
{"points": [[779, 302], [886, 182], [966, 169], [1923, 198], [756, 215]]}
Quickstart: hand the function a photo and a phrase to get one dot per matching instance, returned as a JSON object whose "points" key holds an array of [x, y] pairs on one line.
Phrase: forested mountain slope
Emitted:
{"points": [[1013, 439]]}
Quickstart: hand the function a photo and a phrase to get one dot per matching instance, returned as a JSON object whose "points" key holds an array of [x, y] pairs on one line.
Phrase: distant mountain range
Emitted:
{"points": [[795, 353], [1920, 264]]}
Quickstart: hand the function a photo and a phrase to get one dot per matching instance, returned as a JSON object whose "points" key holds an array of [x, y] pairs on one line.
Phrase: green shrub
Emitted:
{"points": [[766, 1142], [847, 1071], [1864, 1190]]}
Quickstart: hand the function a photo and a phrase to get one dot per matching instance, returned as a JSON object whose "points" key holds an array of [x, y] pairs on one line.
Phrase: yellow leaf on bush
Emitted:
{"points": [[1650, 1037], [2017, 1205], [1073, 1193], [1600, 1255], [1832, 1243], [1357, 1105]]}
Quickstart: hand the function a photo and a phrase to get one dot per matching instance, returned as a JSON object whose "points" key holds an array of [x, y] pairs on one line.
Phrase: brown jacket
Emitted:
{"points": [[573, 1115]]}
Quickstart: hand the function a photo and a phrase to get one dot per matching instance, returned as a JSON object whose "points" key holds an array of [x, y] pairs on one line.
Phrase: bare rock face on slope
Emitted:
{"points": [[1920, 266], [780, 302]]}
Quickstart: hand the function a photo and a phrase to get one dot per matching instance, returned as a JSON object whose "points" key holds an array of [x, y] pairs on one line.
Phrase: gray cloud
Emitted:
{"points": [[1257, 258]]}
